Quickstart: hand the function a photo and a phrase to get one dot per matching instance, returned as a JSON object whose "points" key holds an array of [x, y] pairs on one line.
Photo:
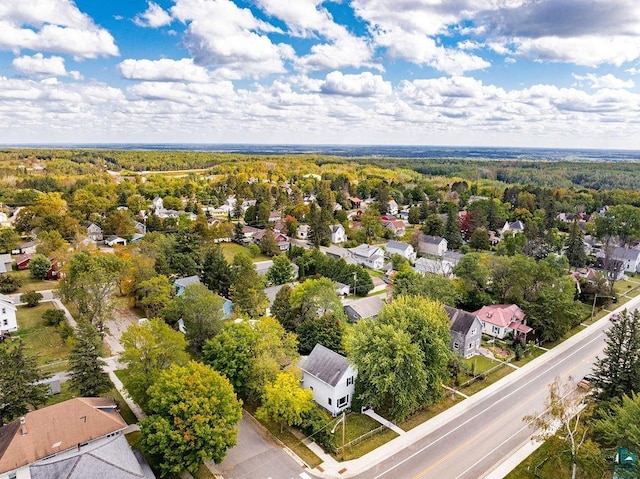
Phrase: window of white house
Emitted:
{"points": [[470, 346], [456, 345], [342, 401], [5, 322], [329, 401], [4, 310], [473, 331], [350, 381], [496, 329]]}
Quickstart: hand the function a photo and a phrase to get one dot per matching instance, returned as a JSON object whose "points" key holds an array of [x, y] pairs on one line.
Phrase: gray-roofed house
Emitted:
{"points": [[330, 377], [8, 321], [628, 257], [271, 293], [5, 263], [342, 289], [82, 438], [113, 240], [181, 283], [262, 268], [364, 308], [93, 231], [515, 227], [338, 234], [439, 266], [403, 249], [465, 330], [369, 256], [433, 245]]}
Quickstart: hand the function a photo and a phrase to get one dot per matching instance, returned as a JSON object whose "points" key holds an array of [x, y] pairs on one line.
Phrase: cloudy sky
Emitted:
{"points": [[553, 73]]}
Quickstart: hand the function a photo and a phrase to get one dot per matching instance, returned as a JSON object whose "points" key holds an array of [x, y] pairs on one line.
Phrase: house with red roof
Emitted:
{"points": [[498, 320]]}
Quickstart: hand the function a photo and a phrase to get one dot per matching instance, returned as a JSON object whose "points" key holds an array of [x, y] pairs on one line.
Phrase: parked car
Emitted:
{"points": [[614, 317]]}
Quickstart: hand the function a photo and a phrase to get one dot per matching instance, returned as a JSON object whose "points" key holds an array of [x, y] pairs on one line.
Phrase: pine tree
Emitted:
{"points": [[216, 272], [452, 230], [19, 376], [618, 372], [575, 247], [87, 368]]}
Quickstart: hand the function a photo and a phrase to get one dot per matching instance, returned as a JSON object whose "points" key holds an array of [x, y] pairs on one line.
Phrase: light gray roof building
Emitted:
{"points": [[364, 308], [325, 364]]}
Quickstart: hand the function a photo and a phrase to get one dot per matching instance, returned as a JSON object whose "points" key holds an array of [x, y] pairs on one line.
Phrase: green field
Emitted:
{"points": [[230, 250]]}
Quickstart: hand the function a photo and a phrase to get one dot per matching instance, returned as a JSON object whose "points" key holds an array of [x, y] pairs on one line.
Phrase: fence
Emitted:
{"points": [[364, 437], [482, 375]]}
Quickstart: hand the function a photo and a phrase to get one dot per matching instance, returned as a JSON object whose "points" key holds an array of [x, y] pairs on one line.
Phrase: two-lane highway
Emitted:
{"points": [[474, 443]]}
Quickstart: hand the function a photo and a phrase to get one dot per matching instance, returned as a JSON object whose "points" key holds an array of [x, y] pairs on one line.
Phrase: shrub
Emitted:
{"points": [[65, 330], [39, 266], [314, 424], [32, 298], [9, 284], [53, 317]]}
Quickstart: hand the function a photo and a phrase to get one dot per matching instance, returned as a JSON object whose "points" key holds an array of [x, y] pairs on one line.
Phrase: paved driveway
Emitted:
{"points": [[257, 457]]}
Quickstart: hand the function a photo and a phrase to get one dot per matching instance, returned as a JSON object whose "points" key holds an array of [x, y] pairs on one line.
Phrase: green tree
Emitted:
{"points": [[148, 349], [87, 375], [620, 426], [414, 215], [19, 376], [326, 330], [50, 242], [31, 299], [9, 240], [314, 298], [39, 266], [216, 271], [281, 272], [575, 246], [154, 294], [247, 291], [391, 373], [618, 372], [285, 402], [201, 311], [479, 239], [433, 226], [452, 228], [9, 283], [473, 280], [281, 308], [251, 354], [268, 244], [370, 224], [434, 287], [53, 317], [194, 418]]}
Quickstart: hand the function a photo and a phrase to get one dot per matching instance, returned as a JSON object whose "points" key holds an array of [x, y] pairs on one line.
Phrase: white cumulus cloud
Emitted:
{"points": [[38, 64], [605, 81], [361, 85], [163, 70], [154, 17]]}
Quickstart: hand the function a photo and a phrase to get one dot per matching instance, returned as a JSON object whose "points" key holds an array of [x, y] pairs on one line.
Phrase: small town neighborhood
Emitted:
{"points": [[301, 298]]}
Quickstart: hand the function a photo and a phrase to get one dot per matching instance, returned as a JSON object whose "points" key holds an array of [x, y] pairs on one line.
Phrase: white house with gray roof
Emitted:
{"points": [[433, 245], [338, 234], [330, 377], [8, 322], [403, 249], [465, 330], [628, 257], [369, 256], [364, 308]]}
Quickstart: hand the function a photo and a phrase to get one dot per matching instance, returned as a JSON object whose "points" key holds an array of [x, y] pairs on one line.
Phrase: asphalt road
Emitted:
{"points": [[474, 443]]}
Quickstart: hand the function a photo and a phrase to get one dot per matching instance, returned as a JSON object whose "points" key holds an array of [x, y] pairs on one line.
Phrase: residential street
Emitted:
{"points": [[472, 439]]}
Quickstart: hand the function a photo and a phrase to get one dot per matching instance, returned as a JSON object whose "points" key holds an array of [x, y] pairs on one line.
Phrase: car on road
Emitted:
{"points": [[614, 317]]}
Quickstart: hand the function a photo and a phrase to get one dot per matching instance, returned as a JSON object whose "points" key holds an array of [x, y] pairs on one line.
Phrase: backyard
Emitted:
{"points": [[230, 250], [30, 284]]}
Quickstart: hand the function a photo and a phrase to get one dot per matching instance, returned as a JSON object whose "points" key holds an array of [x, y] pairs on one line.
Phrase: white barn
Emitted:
{"points": [[330, 377]]}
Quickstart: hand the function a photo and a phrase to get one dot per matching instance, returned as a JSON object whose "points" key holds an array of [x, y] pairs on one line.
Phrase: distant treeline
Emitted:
{"points": [[558, 174]]}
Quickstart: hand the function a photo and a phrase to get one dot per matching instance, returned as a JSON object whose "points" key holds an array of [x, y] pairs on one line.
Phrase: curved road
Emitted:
{"points": [[472, 444]]}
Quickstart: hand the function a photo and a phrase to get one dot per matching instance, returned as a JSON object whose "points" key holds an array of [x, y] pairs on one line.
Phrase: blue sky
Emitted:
{"points": [[548, 73]]}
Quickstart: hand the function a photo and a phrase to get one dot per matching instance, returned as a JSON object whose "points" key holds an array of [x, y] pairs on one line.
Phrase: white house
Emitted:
{"points": [[629, 258], [8, 322], [433, 245], [4, 220], [369, 256], [515, 227], [364, 308], [342, 289], [114, 240], [403, 249], [330, 377], [93, 231], [338, 234], [392, 207], [440, 266], [157, 204], [303, 232]]}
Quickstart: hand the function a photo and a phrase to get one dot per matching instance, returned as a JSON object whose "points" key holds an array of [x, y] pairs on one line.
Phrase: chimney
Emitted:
{"points": [[23, 426]]}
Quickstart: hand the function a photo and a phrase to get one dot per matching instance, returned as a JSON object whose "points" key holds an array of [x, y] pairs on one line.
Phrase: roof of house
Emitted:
{"points": [[500, 314], [325, 364], [365, 307], [338, 251], [56, 428], [340, 285], [184, 282], [113, 459], [626, 254], [398, 245], [366, 251], [111, 238], [435, 240], [336, 228], [272, 291], [23, 258], [461, 321]]}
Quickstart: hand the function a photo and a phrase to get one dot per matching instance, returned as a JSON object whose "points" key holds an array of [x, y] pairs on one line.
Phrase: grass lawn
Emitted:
{"points": [[529, 355], [480, 384], [42, 340], [356, 426], [429, 412], [30, 284], [479, 364], [575, 330], [231, 249], [374, 442]]}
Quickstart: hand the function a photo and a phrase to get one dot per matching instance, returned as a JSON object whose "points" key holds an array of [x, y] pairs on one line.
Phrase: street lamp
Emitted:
{"points": [[355, 280], [341, 420], [593, 308]]}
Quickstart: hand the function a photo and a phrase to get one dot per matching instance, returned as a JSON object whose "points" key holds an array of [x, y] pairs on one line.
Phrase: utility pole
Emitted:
{"points": [[595, 297], [343, 421]]}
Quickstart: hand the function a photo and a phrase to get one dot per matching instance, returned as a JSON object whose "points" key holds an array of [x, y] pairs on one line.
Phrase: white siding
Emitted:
{"points": [[328, 396]]}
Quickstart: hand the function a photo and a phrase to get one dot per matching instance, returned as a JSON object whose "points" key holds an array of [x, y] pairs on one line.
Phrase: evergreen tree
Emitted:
{"points": [[575, 247], [281, 309], [281, 272], [216, 272], [238, 233], [87, 374], [19, 376], [247, 290], [319, 230], [452, 229], [618, 372]]}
